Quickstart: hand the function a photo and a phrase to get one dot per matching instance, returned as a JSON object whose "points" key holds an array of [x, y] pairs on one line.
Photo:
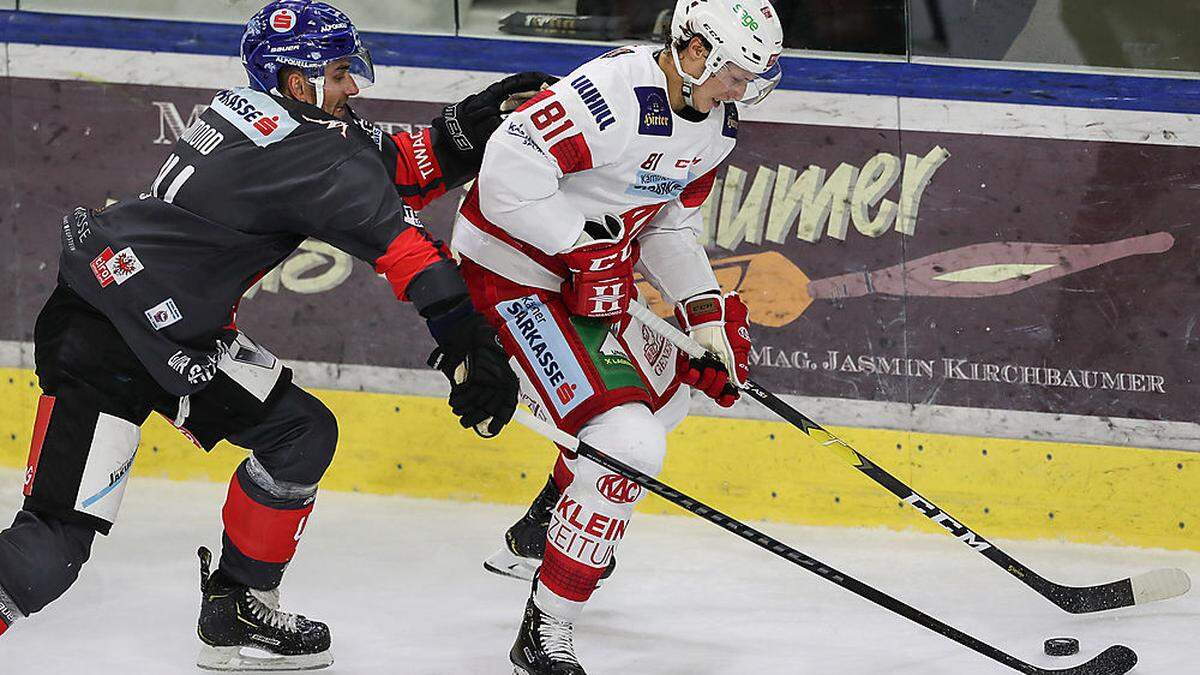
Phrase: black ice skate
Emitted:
{"points": [[544, 645], [525, 541], [242, 629]]}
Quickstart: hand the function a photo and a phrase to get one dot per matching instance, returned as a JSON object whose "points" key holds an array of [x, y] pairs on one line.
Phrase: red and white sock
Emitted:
{"points": [[591, 516]]}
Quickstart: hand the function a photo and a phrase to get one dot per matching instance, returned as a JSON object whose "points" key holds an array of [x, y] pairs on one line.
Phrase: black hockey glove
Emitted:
{"points": [[483, 388], [466, 126]]}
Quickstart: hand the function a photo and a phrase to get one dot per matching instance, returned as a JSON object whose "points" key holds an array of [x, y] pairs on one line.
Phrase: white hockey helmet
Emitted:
{"points": [[746, 39]]}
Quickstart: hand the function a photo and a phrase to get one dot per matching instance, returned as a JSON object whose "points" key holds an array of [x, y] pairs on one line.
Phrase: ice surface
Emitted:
{"points": [[401, 584]]}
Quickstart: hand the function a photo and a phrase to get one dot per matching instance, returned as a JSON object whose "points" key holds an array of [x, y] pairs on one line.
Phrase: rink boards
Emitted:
{"points": [[752, 469], [980, 276]]}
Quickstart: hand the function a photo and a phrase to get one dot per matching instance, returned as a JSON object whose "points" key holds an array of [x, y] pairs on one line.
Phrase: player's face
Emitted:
{"points": [[727, 84], [714, 91], [339, 87]]}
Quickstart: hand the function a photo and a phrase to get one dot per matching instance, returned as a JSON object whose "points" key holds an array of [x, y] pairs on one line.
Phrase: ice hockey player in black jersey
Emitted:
{"points": [[144, 320]]}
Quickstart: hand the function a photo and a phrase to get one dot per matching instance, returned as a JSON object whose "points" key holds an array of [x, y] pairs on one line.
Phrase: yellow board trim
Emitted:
{"points": [[753, 470]]}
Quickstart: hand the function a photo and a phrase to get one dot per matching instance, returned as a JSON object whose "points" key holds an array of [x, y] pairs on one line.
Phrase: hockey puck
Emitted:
{"points": [[1062, 646]]}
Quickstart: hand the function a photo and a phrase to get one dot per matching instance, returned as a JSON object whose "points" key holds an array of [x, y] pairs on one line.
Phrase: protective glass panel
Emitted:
{"points": [[434, 16], [604, 20], [858, 26], [863, 26], [1154, 35]]}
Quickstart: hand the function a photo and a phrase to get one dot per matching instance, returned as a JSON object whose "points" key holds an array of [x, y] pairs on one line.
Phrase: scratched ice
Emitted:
{"points": [[401, 584]]}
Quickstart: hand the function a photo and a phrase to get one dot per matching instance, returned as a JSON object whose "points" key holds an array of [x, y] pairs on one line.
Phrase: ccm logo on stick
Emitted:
{"points": [[955, 528]]}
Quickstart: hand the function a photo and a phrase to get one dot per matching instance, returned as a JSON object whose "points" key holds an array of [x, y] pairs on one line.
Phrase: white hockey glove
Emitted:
{"points": [[720, 325]]}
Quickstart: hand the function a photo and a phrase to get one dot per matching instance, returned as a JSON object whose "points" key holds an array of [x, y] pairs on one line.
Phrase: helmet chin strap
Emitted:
{"points": [[688, 82], [319, 84]]}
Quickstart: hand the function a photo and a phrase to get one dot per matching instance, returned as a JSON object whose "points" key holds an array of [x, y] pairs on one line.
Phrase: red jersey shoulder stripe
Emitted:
{"points": [[537, 98], [698, 190]]}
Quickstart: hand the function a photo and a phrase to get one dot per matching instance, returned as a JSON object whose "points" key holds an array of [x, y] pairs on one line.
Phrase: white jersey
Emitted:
{"points": [[602, 141]]}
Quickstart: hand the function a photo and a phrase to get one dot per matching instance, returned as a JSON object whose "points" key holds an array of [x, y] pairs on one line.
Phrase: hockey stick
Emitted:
{"points": [[1144, 588], [1115, 660]]}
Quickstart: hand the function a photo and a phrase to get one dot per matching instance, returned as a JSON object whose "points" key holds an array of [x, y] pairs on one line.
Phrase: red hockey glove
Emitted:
{"points": [[601, 265], [720, 325]]}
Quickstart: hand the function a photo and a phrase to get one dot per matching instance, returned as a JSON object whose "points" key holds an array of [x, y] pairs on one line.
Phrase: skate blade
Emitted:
{"points": [[508, 564], [251, 659]]}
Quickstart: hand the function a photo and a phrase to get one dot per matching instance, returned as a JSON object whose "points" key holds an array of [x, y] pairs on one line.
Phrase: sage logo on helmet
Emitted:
{"points": [[745, 40], [305, 35]]}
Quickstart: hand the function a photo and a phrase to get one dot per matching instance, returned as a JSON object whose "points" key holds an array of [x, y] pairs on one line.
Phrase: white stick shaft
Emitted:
{"points": [[673, 335], [546, 429]]}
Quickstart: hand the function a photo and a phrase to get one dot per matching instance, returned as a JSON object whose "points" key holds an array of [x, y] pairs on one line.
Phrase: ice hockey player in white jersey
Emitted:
{"points": [[601, 174]]}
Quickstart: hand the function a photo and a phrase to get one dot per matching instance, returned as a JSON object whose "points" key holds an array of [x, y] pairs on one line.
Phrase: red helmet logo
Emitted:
{"points": [[283, 20], [618, 489]]}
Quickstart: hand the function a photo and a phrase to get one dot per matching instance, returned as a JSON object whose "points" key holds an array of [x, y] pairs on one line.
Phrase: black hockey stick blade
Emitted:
{"points": [[1152, 586], [1115, 660], [1144, 588]]}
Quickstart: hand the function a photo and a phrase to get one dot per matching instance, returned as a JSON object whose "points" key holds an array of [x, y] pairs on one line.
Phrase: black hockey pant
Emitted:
{"points": [[95, 397]]}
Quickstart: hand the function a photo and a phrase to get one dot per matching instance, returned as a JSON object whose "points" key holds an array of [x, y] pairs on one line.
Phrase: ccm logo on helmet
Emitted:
{"points": [[618, 489], [283, 20]]}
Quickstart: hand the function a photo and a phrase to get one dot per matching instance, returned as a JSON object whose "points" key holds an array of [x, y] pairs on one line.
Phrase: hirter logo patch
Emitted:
{"points": [[654, 113], [730, 128]]}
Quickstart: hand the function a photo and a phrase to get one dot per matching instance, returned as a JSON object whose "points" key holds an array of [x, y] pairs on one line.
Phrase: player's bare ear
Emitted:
{"points": [[295, 85], [292, 83]]}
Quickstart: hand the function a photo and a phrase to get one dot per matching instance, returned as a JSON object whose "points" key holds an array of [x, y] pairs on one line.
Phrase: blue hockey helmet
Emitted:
{"points": [[302, 34]]}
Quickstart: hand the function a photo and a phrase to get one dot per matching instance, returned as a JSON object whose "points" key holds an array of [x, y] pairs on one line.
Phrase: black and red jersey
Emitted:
{"points": [[251, 179]]}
